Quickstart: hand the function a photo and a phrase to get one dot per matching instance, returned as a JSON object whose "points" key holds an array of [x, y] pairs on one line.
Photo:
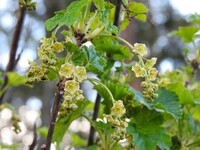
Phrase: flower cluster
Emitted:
{"points": [[73, 75], [117, 111], [36, 74], [146, 70], [46, 53]]}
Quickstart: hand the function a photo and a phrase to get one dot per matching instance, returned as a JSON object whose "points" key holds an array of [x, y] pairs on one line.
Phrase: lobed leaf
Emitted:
{"points": [[138, 11], [63, 124], [111, 47], [187, 34], [68, 16], [95, 62], [147, 131], [14, 79], [168, 101]]}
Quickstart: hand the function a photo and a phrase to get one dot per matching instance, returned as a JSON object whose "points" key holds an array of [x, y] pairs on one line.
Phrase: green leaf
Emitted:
{"points": [[79, 58], [107, 101], [6, 146], [195, 18], [124, 24], [78, 141], [43, 131], [14, 79], [63, 124], [169, 103], [186, 33], [185, 96], [102, 128], [71, 47], [111, 47], [138, 11], [140, 98], [147, 131], [95, 62], [1, 79], [68, 16], [99, 4], [51, 75], [93, 147]]}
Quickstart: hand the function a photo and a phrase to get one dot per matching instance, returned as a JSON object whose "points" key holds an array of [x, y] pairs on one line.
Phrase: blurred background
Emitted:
{"points": [[34, 104]]}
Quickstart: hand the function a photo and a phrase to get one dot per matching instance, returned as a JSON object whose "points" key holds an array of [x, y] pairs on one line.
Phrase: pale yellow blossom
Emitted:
{"points": [[80, 73], [152, 74], [140, 48], [71, 86], [138, 70], [66, 70], [118, 109]]}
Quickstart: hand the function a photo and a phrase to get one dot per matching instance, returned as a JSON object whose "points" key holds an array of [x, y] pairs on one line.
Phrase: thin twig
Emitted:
{"points": [[54, 114], [95, 115], [14, 45], [117, 13], [32, 146]]}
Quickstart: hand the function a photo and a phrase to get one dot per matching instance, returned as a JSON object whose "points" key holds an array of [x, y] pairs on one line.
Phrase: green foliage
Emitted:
{"points": [[6, 146], [134, 10], [187, 34], [64, 122], [95, 62], [194, 18], [138, 10], [154, 119], [42, 131], [145, 127], [111, 47], [77, 140], [15, 79], [66, 17], [168, 101]]}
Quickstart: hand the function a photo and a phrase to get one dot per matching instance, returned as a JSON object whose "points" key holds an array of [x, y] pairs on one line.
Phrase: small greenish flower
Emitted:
{"points": [[66, 70], [46, 42], [80, 73], [47, 57], [150, 63], [118, 109], [79, 97], [71, 87], [57, 47], [164, 82], [116, 123], [140, 48], [153, 74], [73, 106], [109, 118], [138, 70]]}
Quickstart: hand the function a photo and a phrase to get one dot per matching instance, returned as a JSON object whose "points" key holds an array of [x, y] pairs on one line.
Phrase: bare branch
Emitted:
{"points": [[54, 114], [32, 146], [14, 45], [95, 115]]}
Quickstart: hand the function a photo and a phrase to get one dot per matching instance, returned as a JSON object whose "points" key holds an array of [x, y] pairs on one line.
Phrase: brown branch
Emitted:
{"points": [[32, 146], [95, 115], [117, 13], [54, 114], [14, 45]]}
